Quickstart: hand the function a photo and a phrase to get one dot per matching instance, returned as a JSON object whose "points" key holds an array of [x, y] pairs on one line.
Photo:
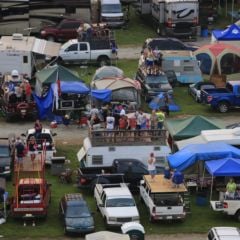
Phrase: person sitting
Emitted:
{"points": [[177, 178], [230, 189]]}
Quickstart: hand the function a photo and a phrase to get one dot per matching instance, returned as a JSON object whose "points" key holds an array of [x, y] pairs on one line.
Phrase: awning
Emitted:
{"points": [[46, 47]]}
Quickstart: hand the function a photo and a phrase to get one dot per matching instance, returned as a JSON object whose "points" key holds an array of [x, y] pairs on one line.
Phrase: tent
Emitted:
{"points": [[123, 89], [229, 34], [72, 87], [53, 73], [107, 71], [218, 58], [188, 127], [193, 153], [106, 235]]}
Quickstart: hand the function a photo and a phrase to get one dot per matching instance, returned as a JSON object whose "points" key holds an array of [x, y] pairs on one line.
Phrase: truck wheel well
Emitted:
{"points": [[237, 215], [223, 106], [103, 60]]}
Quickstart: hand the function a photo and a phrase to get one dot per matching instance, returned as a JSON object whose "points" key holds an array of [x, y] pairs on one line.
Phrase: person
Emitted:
{"points": [[28, 91], [32, 148], [177, 178], [110, 120], [153, 120], [167, 173], [160, 119], [94, 111], [230, 189], [38, 128], [66, 120], [85, 30], [166, 104], [20, 149], [123, 122], [144, 122], [139, 117], [151, 166]]}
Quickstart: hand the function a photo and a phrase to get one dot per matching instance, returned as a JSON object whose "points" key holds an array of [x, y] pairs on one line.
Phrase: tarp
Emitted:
{"points": [[104, 95], [184, 128], [72, 87], [218, 57], [193, 153], [107, 71], [224, 167], [158, 103], [229, 34]]}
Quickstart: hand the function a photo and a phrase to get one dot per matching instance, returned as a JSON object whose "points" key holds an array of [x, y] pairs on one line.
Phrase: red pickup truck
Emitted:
{"points": [[63, 31]]}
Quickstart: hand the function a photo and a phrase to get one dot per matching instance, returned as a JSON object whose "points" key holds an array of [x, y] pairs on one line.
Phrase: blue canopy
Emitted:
{"points": [[104, 95], [230, 34], [72, 87], [224, 167], [158, 103], [192, 153]]}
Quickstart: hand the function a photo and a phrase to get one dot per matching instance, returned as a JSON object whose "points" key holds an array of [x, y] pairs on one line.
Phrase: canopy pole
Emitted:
{"points": [[203, 176], [211, 189]]}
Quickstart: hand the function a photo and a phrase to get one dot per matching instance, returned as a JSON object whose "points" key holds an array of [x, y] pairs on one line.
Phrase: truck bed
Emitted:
{"points": [[216, 90]]}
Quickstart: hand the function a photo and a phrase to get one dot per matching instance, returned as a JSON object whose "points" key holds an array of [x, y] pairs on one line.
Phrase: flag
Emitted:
{"points": [[58, 85], [57, 90]]}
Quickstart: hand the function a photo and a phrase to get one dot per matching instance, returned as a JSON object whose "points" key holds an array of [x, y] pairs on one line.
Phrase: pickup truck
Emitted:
{"points": [[122, 170], [100, 51], [223, 99], [116, 204], [162, 199]]}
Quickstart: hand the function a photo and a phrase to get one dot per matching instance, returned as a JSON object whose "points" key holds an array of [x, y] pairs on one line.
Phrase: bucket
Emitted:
{"points": [[204, 32]]}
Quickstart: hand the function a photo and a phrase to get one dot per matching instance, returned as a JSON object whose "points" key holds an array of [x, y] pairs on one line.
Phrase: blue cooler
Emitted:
{"points": [[204, 32]]}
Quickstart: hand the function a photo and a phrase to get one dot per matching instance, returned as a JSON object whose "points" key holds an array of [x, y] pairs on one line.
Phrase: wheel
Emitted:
{"points": [[51, 38], [103, 61], [197, 99], [238, 215], [65, 230], [223, 107], [151, 220]]}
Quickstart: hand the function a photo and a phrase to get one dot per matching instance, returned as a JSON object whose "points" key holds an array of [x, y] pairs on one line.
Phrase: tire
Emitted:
{"points": [[237, 215], [51, 38], [223, 107], [103, 61], [65, 231], [151, 220]]}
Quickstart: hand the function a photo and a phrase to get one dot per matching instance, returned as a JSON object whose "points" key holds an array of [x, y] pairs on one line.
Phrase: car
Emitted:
{"points": [[63, 31], [195, 89], [221, 233], [168, 44], [75, 214]]}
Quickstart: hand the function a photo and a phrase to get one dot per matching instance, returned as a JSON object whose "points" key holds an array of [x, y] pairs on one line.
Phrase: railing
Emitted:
{"points": [[128, 137]]}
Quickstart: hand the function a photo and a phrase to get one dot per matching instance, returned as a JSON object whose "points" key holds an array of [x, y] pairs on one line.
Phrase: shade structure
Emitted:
{"points": [[106, 235], [107, 71], [212, 55]]}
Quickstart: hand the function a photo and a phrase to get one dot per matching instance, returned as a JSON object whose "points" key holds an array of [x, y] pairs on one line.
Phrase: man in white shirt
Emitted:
{"points": [[110, 121]]}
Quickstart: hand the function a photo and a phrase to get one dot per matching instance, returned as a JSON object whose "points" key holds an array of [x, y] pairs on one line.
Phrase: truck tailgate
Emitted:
{"points": [[217, 205], [169, 212]]}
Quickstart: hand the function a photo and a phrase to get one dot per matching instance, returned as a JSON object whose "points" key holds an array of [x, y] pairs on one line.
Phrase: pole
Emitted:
{"points": [[211, 189]]}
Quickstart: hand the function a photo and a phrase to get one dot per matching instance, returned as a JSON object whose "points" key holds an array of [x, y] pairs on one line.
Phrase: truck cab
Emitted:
{"points": [[116, 204], [163, 200]]}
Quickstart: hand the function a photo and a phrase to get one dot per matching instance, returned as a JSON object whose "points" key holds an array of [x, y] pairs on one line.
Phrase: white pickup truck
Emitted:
{"points": [[98, 51], [162, 199], [116, 204], [230, 207]]}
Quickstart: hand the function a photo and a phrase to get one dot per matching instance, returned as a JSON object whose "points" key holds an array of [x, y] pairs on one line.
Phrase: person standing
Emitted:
{"points": [[231, 189], [38, 129], [151, 166], [160, 119], [110, 120], [153, 120], [19, 146], [32, 148]]}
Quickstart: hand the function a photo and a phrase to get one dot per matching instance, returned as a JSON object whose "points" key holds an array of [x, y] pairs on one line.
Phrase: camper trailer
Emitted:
{"points": [[177, 18], [24, 53]]}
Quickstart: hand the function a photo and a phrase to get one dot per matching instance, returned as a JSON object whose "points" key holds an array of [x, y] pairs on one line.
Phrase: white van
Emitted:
{"points": [[111, 13]]}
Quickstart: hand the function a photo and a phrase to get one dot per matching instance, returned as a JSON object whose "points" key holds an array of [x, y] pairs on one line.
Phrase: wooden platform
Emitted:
{"points": [[162, 185]]}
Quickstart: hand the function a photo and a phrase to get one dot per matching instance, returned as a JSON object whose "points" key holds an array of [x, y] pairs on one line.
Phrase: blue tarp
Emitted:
{"points": [[224, 167], [192, 153], [158, 103], [72, 87], [104, 95], [230, 34]]}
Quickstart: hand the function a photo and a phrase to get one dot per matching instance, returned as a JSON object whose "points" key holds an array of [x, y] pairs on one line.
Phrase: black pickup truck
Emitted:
{"points": [[122, 170]]}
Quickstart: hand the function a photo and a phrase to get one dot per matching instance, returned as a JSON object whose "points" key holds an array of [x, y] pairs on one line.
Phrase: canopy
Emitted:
{"points": [[220, 58], [193, 153], [72, 87], [104, 95], [184, 128], [229, 34], [106, 235], [107, 71], [224, 167], [53, 73]]}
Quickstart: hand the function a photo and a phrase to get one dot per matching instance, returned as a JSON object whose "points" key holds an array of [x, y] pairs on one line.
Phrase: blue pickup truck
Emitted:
{"points": [[223, 99]]}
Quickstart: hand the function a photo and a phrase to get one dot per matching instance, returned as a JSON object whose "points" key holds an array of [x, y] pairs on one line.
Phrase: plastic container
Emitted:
{"points": [[204, 32]]}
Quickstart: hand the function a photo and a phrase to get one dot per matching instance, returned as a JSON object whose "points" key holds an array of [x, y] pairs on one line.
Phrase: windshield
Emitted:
{"points": [[77, 211], [156, 79], [111, 8], [120, 202], [4, 151]]}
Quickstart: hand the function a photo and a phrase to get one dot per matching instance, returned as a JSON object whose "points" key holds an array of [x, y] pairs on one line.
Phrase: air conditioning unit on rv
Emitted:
{"points": [[17, 36]]}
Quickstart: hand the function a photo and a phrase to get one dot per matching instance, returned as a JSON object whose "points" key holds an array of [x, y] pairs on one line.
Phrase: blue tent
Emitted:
{"points": [[224, 167], [72, 87], [230, 34], [193, 153]]}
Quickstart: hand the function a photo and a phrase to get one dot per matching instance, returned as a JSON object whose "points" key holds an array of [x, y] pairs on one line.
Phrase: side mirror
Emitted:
{"points": [[54, 134]]}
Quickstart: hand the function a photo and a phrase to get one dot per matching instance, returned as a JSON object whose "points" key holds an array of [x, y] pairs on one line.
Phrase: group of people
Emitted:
{"points": [[31, 146], [116, 118], [232, 191], [17, 89]]}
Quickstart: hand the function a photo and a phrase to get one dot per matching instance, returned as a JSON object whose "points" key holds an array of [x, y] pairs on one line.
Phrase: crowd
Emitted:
{"points": [[116, 118]]}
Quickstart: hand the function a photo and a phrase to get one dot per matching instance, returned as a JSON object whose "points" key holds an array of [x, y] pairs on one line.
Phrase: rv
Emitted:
{"points": [[177, 18], [23, 53]]}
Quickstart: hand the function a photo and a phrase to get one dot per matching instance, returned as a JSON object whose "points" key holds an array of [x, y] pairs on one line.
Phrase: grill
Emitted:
{"points": [[124, 219]]}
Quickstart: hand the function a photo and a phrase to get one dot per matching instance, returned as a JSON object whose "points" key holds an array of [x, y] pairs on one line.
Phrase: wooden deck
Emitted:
{"points": [[162, 185]]}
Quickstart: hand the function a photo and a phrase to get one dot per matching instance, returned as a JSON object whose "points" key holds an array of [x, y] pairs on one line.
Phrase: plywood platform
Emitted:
{"points": [[162, 185]]}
